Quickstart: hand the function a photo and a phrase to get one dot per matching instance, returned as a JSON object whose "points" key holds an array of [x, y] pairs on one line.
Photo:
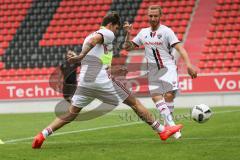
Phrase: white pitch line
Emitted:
{"points": [[77, 131], [97, 128], [145, 139], [226, 111]]}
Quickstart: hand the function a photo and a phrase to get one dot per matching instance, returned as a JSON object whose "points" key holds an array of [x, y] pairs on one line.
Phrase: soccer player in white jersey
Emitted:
{"points": [[96, 83], [159, 41]]}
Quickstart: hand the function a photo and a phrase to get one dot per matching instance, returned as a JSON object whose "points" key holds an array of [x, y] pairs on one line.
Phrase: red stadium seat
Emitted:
{"points": [[210, 64], [186, 16], [227, 34], [227, 63], [229, 27], [188, 9], [42, 43], [238, 48], [236, 63], [1, 51], [220, 56], [216, 42], [229, 55], [235, 34], [4, 72], [214, 49], [220, 28], [210, 35], [216, 70], [206, 70], [225, 41], [237, 56], [217, 14], [230, 20], [1, 65], [1, 38], [212, 56], [234, 69], [225, 69], [233, 13], [208, 42], [20, 72], [223, 49], [36, 71], [219, 64], [234, 41], [218, 35], [4, 45], [212, 28]]}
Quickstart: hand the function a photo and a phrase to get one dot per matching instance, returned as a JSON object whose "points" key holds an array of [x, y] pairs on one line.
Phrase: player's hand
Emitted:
{"points": [[72, 57], [70, 54], [123, 71], [192, 72], [117, 71], [127, 27]]}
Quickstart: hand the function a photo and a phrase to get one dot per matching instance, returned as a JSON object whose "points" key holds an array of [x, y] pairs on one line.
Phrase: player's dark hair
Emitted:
{"points": [[111, 17]]}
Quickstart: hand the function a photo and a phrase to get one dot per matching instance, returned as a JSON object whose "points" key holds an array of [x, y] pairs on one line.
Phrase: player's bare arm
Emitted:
{"points": [[183, 53], [72, 57], [128, 45]]}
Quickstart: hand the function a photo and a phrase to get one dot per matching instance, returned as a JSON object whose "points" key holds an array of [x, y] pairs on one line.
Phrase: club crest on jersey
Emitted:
{"points": [[159, 36]]}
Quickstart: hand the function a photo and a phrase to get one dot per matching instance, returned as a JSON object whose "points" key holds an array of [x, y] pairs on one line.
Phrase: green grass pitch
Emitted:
{"points": [[119, 135]]}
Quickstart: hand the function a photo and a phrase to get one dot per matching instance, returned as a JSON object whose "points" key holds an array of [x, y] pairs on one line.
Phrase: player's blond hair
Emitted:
{"points": [[154, 7]]}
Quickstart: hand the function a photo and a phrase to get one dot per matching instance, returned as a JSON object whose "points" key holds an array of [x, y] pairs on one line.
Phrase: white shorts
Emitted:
{"points": [[163, 80], [112, 92]]}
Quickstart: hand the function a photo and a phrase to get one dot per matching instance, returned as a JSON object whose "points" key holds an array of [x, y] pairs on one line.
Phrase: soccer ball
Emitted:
{"points": [[201, 113]]}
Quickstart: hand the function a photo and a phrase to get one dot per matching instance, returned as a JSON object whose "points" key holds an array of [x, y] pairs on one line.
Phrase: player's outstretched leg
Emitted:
{"points": [[145, 115], [55, 125]]}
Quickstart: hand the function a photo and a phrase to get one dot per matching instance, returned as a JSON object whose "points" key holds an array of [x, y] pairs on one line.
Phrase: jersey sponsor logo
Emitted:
{"points": [[152, 43]]}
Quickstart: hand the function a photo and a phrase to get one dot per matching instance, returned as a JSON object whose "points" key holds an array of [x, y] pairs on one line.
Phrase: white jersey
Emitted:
{"points": [[158, 45], [94, 81], [93, 66]]}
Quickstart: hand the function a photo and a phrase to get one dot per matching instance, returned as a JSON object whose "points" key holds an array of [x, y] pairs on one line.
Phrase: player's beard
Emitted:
{"points": [[154, 24]]}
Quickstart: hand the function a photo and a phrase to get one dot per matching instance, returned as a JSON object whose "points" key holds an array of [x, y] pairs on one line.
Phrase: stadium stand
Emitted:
{"points": [[127, 12], [35, 35], [221, 52], [23, 56], [73, 21]]}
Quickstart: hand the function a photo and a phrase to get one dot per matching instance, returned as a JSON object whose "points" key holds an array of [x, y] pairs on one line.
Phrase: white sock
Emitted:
{"points": [[170, 106], [157, 126], [165, 112], [47, 132]]}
